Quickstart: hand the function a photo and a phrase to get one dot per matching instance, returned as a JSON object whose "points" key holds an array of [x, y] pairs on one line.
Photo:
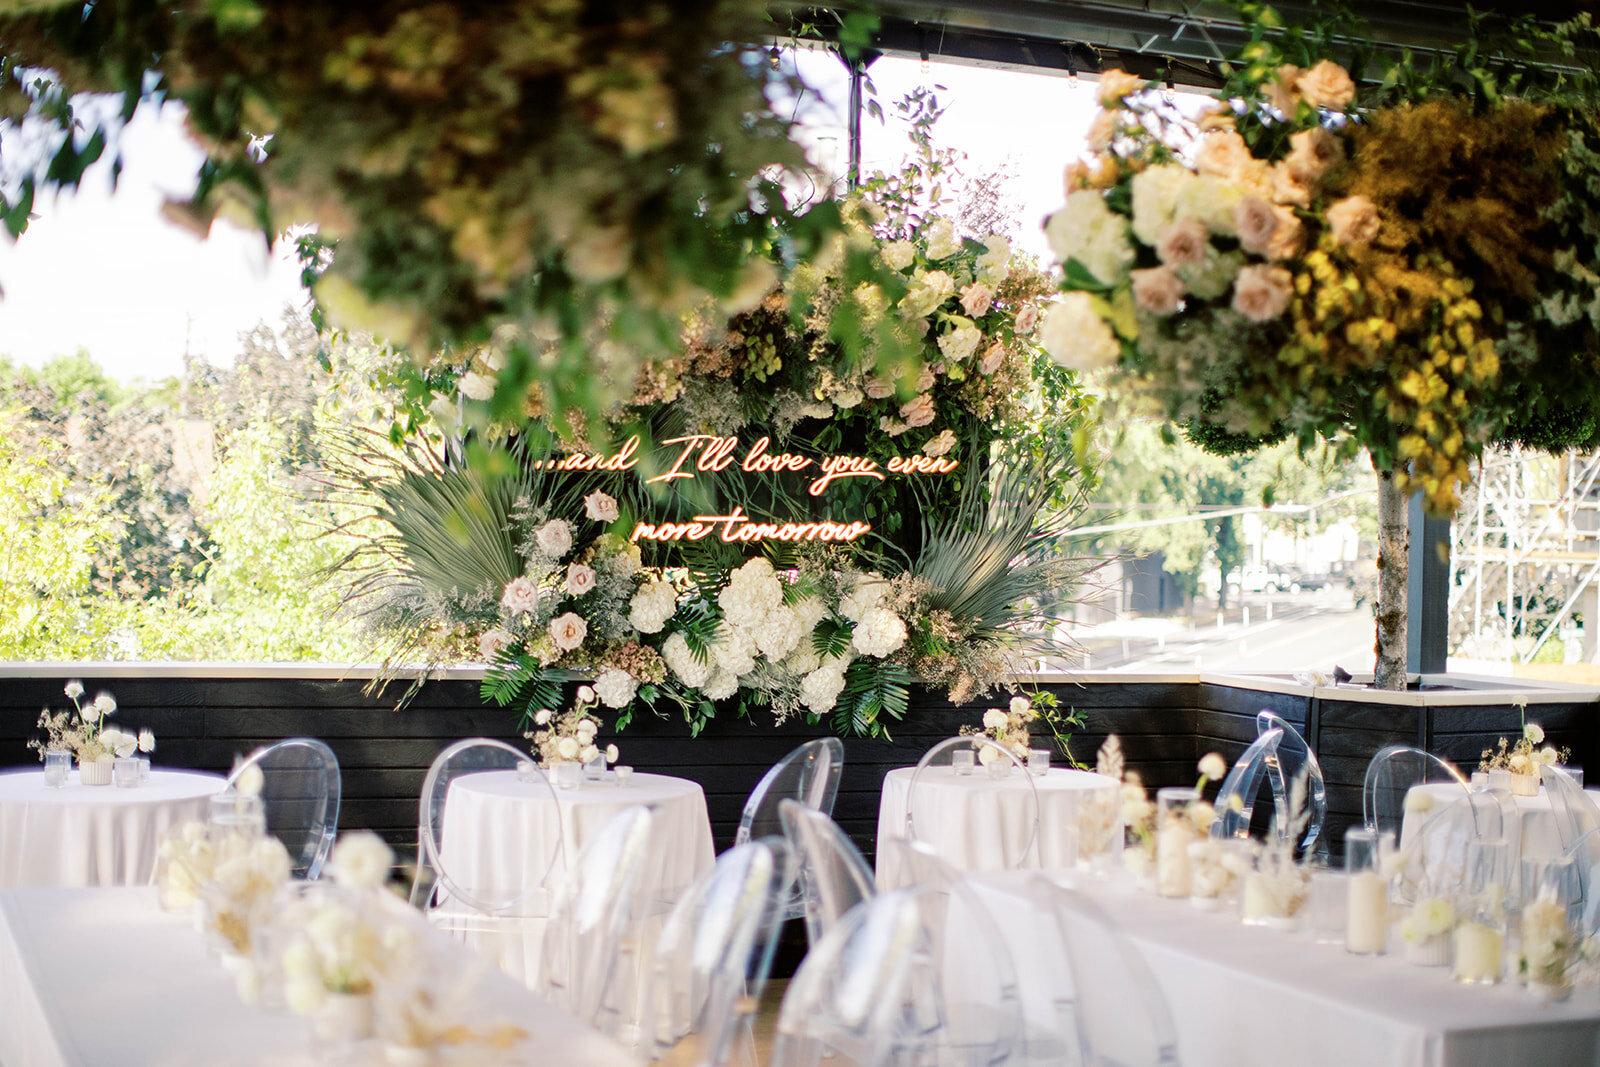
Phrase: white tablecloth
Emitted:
{"points": [[498, 831], [83, 835], [974, 821], [1538, 836], [104, 978], [1243, 996]]}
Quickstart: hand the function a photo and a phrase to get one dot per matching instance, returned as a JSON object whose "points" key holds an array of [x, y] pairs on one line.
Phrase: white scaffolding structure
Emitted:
{"points": [[1525, 555]]}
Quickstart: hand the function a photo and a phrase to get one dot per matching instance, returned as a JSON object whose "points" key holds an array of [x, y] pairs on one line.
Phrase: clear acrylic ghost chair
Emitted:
{"points": [[809, 775], [590, 950], [710, 963], [1118, 1011], [964, 1002], [1015, 843], [492, 893], [1391, 777], [1236, 796], [1577, 820], [834, 877], [849, 998], [300, 789], [1292, 758], [1449, 842]]}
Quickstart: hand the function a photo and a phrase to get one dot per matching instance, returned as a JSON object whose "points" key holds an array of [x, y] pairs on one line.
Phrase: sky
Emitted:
{"points": [[104, 272]]}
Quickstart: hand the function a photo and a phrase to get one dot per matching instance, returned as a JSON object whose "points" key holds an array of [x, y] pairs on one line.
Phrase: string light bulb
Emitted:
{"points": [[926, 66], [1171, 91], [775, 57]]}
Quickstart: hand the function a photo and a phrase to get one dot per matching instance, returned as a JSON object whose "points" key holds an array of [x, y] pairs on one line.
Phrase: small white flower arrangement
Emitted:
{"points": [[570, 736], [236, 898], [1526, 757], [1550, 948], [1006, 726], [83, 730], [184, 863], [1426, 931]]}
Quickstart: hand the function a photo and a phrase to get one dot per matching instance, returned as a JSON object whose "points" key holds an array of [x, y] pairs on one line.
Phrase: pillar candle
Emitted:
{"points": [[1479, 952], [1367, 922]]}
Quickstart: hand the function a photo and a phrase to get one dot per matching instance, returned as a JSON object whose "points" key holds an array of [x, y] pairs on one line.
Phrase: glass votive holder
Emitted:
{"points": [[144, 768], [595, 769], [1553, 878], [567, 774], [125, 772], [235, 814], [1039, 761], [1367, 898], [1175, 832], [527, 771], [962, 760], [1326, 909], [56, 765], [624, 775]]}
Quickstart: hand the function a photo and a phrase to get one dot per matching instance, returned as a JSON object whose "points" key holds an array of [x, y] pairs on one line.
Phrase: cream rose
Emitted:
{"points": [[1354, 221], [1027, 319], [879, 388], [1313, 153], [491, 643], [956, 346], [475, 386], [1327, 85], [580, 578], [976, 299], [898, 255], [554, 538], [568, 631], [942, 240], [1261, 293], [939, 444], [1076, 337], [1158, 290], [521, 596], [600, 507]]}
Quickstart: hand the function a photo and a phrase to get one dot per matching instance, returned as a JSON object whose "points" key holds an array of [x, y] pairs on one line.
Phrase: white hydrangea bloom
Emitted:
{"points": [[993, 266], [1157, 192], [1211, 199], [682, 662], [942, 239], [898, 255], [879, 633], [927, 291], [733, 651], [779, 632], [1075, 336], [615, 688], [1088, 231], [869, 590], [652, 606], [960, 343], [820, 689], [721, 686], [802, 660]]}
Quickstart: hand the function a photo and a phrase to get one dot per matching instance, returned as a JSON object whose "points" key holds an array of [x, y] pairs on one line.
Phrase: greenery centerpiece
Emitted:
{"points": [[1408, 266]]}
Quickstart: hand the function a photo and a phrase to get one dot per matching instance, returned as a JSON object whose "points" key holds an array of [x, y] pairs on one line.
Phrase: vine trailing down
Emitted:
{"points": [[1408, 265], [766, 517]]}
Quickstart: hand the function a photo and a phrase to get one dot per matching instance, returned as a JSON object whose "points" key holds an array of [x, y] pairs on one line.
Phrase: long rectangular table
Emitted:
{"points": [[104, 978], [1243, 996]]}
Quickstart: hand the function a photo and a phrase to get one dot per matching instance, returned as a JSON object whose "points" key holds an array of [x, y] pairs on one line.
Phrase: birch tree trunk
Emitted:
{"points": [[1394, 543]]}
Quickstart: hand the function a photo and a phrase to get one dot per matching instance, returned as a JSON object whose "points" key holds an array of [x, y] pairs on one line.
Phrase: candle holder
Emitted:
{"points": [[1175, 832], [1367, 915]]}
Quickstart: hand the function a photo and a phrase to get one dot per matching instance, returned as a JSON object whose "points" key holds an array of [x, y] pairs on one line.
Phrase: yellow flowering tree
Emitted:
{"points": [[1409, 267]]}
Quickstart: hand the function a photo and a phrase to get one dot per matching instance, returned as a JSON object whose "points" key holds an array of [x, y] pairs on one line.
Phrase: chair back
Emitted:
{"points": [[834, 877], [1577, 820], [850, 993], [1293, 758], [1236, 797], [1120, 1013], [460, 866], [809, 775], [1017, 841], [300, 788], [1391, 776], [711, 961], [591, 935]]}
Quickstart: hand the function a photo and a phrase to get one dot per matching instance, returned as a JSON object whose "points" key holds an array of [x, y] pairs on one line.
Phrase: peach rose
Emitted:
{"points": [[493, 642], [1327, 85], [1216, 117], [1282, 91], [1116, 84], [1157, 290], [878, 388], [1074, 177], [941, 443], [568, 631], [1261, 293], [601, 507], [1027, 319], [1286, 238], [521, 595], [1102, 130], [1182, 243], [1287, 189], [992, 359], [1313, 153], [918, 411], [976, 299], [1254, 221], [1223, 153], [1354, 221]]}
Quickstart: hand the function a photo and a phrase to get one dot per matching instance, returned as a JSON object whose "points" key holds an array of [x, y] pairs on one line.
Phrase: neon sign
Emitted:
{"points": [[696, 454]]}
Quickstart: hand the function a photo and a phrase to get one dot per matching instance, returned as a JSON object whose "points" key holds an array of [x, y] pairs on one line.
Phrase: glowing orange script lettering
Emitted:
{"points": [[623, 460], [714, 455], [922, 465], [757, 461], [845, 467], [736, 526]]}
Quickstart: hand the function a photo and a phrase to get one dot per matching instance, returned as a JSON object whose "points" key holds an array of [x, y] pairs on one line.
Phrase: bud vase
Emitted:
{"points": [[94, 772]]}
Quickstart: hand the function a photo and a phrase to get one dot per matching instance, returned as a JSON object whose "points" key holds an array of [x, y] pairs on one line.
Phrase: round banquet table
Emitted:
{"points": [[1537, 835], [79, 836], [974, 822], [498, 832]]}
